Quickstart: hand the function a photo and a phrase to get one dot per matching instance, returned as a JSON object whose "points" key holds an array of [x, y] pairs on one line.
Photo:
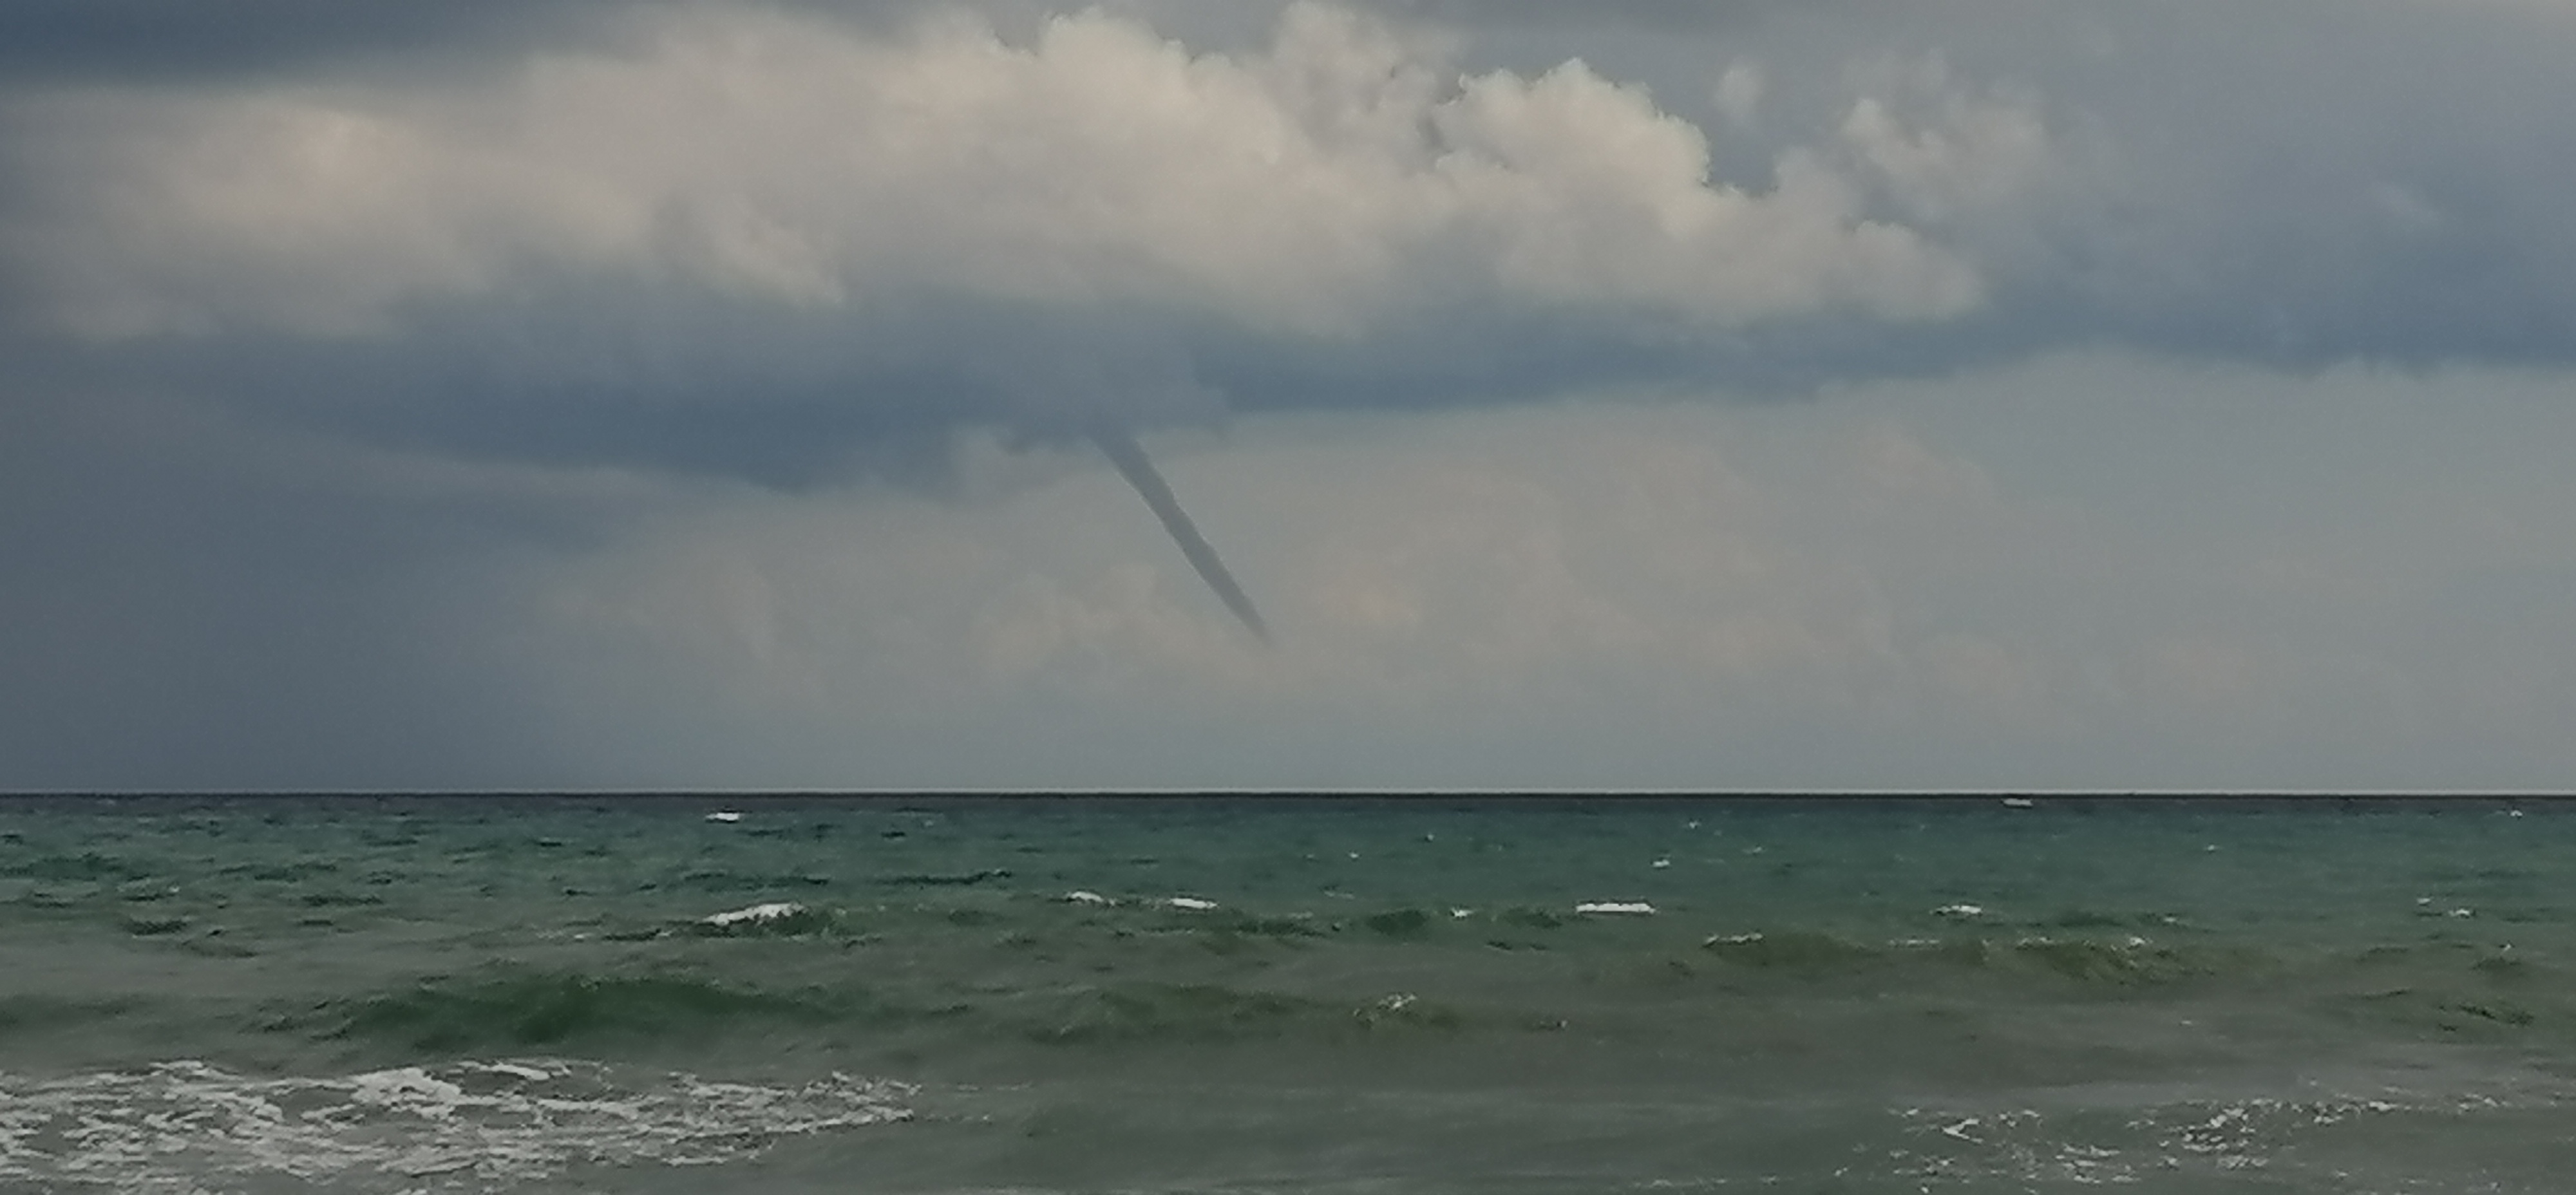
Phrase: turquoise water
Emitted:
{"points": [[1285, 995]]}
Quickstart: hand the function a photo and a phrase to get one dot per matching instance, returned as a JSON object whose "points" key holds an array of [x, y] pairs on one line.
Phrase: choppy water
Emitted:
{"points": [[1274, 995]]}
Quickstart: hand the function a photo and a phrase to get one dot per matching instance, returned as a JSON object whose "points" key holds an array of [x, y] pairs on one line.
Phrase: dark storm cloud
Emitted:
{"points": [[57, 40], [181, 41], [177, 41]]}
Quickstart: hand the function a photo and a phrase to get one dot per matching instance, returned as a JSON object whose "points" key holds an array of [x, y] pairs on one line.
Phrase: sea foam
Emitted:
{"points": [[465, 1126]]}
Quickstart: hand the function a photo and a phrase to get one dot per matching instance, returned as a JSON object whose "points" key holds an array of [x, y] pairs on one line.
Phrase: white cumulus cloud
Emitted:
{"points": [[1339, 175]]}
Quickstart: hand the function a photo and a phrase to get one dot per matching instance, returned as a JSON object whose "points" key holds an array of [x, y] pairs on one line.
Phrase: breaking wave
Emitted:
{"points": [[191, 1128]]}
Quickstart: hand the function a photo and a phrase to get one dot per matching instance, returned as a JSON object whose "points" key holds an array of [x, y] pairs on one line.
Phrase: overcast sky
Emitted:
{"points": [[1847, 393]]}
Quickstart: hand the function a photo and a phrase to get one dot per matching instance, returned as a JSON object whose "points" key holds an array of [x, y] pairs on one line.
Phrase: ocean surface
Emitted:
{"points": [[1285, 995]]}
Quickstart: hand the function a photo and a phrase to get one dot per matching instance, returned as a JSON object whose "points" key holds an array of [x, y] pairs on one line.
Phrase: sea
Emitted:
{"points": [[1276, 994]]}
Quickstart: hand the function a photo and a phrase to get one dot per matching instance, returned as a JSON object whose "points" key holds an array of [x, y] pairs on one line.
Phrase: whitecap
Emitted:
{"points": [[754, 914], [1960, 910], [724, 815], [1626, 907], [1080, 897], [1191, 903]]}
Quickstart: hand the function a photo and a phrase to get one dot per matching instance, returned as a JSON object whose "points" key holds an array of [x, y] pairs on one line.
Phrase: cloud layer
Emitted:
{"points": [[604, 391], [770, 240], [1340, 180]]}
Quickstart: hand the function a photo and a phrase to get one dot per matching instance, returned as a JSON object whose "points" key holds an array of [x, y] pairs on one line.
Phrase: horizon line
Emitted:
{"points": [[1269, 791]]}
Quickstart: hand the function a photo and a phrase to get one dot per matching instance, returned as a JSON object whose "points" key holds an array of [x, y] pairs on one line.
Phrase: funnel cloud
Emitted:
{"points": [[1124, 452]]}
